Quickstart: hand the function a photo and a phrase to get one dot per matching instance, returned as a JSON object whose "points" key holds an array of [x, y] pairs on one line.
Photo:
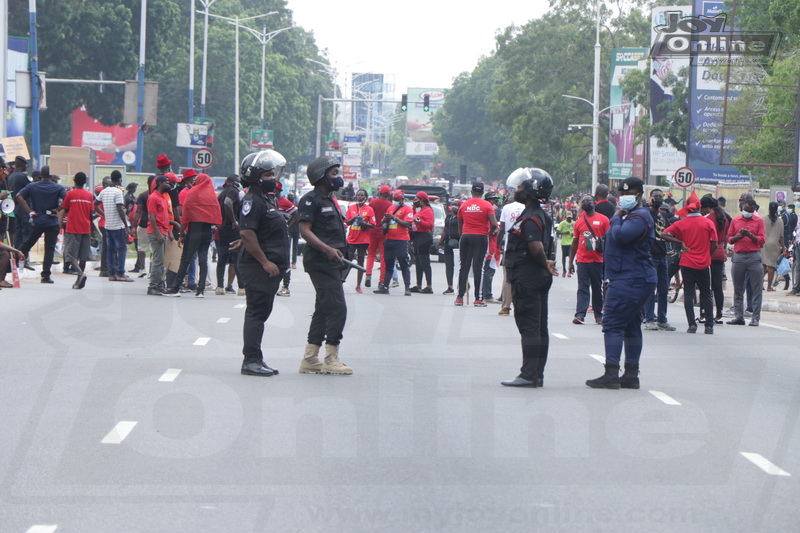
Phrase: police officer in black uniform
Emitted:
{"points": [[530, 264], [322, 227], [265, 252]]}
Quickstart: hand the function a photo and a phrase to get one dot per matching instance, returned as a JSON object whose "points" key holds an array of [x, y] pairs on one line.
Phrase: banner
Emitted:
{"points": [[112, 144], [211, 125], [260, 139], [16, 60], [623, 113], [419, 123], [191, 135]]}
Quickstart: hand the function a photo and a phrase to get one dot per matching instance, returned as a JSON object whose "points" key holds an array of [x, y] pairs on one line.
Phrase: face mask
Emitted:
{"points": [[627, 202], [747, 214], [336, 183], [454, 210], [780, 209], [268, 186], [520, 197], [396, 203], [657, 203]]}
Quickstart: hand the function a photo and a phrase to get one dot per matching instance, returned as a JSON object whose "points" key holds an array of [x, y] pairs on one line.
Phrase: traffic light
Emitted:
{"points": [[404, 103], [426, 103]]}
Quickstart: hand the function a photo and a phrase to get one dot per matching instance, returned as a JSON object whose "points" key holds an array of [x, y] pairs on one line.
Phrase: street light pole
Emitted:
{"points": [[206, 6], [140, 106], [35, 96], [3, 70], [191, 76], [596, 104]]}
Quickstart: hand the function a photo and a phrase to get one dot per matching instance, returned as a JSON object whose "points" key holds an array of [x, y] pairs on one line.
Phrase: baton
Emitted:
{"points": [[353, 264]]}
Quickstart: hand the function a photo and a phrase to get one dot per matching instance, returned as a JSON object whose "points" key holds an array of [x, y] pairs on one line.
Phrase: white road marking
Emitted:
{"points": [[765, 464], [666, 398], [790, 330], [118, 434], [561, 336], [240, 306], [202, 341], [223, 320], [42, 528], [598, 357], [170, 374]]}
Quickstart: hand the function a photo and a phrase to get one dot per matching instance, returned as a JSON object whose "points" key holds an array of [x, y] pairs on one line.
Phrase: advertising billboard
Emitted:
{"points": [[419, 123], [17, 60], [623, 113], [112, 144]]}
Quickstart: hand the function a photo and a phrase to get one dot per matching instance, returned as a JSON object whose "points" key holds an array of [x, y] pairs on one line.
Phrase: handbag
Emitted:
{"points": [[595, 244], [783, 266], [453, 244]]}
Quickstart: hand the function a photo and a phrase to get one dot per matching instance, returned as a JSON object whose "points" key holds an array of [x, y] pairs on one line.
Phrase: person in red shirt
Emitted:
{"points": [[422, 240], [396, 223], [379, 206], [477, 222], [710, 208], [361, 219], [158, 231], [698, 238], [747, 235], [78, 204], [590, 227]]}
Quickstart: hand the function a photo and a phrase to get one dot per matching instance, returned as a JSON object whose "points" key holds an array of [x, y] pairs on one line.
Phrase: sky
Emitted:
{"points": [[414, 43]]}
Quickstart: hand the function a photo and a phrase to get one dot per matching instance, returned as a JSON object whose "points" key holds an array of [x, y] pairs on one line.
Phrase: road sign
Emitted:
{"points": [[203, 158], [684, 177]]}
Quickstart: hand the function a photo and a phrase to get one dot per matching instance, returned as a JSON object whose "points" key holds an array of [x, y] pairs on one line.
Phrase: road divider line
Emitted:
{"points": [[42, 528], [239, 306], [119, 433], [561, 336], [765, 464], [598, 357], [170, 374], [202, 341], [223, 320], [666, 398]]}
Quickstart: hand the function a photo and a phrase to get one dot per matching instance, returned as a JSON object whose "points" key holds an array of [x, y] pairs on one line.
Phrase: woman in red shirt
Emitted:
{"points": [[422, 240], [361, 219]]}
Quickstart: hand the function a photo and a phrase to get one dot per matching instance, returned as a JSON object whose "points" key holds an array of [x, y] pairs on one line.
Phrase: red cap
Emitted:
{"points": [[172, 177], [385, 189], [422, 195], [692, 204], [163, 161], [278, 186], [188, 173], [398, 194]]}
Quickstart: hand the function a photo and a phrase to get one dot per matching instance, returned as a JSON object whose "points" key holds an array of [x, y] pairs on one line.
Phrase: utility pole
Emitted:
{"points": [[189, 151], [596, 105], [34, 70], [3, 68], [140, 110]]}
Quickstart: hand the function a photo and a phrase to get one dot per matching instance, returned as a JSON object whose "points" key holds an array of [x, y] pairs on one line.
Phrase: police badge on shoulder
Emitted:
{"points": [[247, 205]]}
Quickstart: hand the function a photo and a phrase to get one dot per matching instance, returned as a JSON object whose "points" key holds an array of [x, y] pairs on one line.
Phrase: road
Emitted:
{"points": [[125, 412]]}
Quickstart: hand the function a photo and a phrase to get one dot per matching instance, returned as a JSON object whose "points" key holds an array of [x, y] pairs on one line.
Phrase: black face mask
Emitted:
{"points": [[336, 183], [520, 197], [657, 203], [268, 186]]}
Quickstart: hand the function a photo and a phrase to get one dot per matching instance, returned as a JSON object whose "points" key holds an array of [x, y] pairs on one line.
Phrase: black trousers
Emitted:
{"points": [[396, 251], [287, 274], [700, 278], [260, 297], [449, 264], [22, 229], [50, 239], [197, 241], [226, 235], [590, 275], [422, 242], [717, 272], [530, 314], [330, 308], [472, 249], [103, 252]]}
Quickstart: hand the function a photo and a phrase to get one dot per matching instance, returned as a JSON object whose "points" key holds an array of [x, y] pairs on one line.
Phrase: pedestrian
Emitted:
{"points": [[322, 227], [587, 247], [288, 210], [294, 231], [228, 233], [602, 204], [709, 207], [159, 233], [476, 223], [6, 254], [361, 220], [564, 232], [746, 234], [395, 225], [656, 319], [795, 252], [186, 184], [773, 244], [117, 227], [448, 243], [531, 266], [140, 220], [379, 206], [40, 201], [17, 180], [422, 240], [264, 255], [77, 207], [631, 279], [508, 216]]}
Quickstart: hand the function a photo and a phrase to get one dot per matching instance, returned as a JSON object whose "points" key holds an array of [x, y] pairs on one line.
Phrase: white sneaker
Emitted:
{"points": [[219, 291], [240, 292]]}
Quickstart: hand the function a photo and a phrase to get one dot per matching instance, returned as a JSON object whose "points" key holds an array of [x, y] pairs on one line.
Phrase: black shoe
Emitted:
{"points": [[154, 292], [135, 269], [29, 267], [47, 280], [753, 323], [609, 380], [414, 289], [274, 370], [692, 329], [368, 281], [257, 369], [736, 322], [82, 280], [230, 290], [192, 287], [172, 293], [449, 291], [103, 274], [630, 379], [520, 382], [426, 290], [709, 329], [381, 290], [70, 271]]}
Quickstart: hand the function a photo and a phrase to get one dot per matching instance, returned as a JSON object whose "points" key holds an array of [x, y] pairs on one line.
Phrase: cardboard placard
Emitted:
{"points": [[69, 160]]}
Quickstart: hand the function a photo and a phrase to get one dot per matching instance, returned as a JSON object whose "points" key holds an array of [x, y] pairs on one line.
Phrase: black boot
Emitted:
{"points": [[786, 280], [609, 380], [630, 379]]}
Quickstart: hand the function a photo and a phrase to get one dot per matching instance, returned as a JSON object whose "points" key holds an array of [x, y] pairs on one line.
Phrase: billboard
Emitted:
{"points": [[261, 139], [623, 113], [17, 60], [366, 86], [419, 123], [112, 144]]}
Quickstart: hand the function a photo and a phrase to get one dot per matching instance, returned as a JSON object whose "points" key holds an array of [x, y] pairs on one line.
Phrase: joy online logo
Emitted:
{"points": [[703, 35]]}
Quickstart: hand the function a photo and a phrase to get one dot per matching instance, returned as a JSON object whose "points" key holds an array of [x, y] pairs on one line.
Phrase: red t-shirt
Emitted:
{"points": [[379, 207], [396, 231], [157, 205], [755, 226], [356, 234], [80, 204], [475, 214], [423, 220], [696, 232], [599, 224], [719, 254]]}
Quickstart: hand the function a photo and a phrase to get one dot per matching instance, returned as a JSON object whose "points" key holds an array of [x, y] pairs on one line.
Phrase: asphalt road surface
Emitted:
{"points": [[123, 412]]}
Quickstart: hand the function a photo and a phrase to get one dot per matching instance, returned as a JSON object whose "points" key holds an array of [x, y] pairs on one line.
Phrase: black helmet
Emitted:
{"points": [[537, 182], [317, 168], [256, 163]]}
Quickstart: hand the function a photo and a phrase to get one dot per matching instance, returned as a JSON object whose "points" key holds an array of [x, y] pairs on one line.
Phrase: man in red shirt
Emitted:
{"points": [[747, 235], [590, 228], [78, 205], [361, 219], [158, 231], [476, 222], [379, 206], [396, 221], [698, 239]]}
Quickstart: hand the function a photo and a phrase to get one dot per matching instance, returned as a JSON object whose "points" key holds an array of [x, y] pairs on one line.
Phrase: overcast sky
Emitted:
{"points": [[414, 43]]}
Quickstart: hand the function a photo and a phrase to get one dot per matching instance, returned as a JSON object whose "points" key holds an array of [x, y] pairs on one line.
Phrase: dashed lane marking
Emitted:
{"points": [[119, 433], [598, 357], [561, 336], [170, 374], [666, 398], [202, 341], [765, 464], [239, 306], [223, 320], [42, 528]]}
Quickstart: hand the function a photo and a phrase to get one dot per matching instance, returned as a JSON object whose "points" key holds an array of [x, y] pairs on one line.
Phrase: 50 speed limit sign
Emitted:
{"points": [[203, 158], [684, 177]]}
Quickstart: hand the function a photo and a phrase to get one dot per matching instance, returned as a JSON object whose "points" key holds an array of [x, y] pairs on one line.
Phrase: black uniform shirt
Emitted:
{"points": [[262, 216], [233, 193], [327, 223], [533, 224]]}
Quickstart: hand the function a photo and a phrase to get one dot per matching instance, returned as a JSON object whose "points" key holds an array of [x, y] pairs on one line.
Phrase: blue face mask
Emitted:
{"points": [[627, 202], [747, 214]]}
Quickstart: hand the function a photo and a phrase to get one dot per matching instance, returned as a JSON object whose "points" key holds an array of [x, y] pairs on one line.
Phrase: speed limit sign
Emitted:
{"points": [[203, 158], [684, 177]]}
